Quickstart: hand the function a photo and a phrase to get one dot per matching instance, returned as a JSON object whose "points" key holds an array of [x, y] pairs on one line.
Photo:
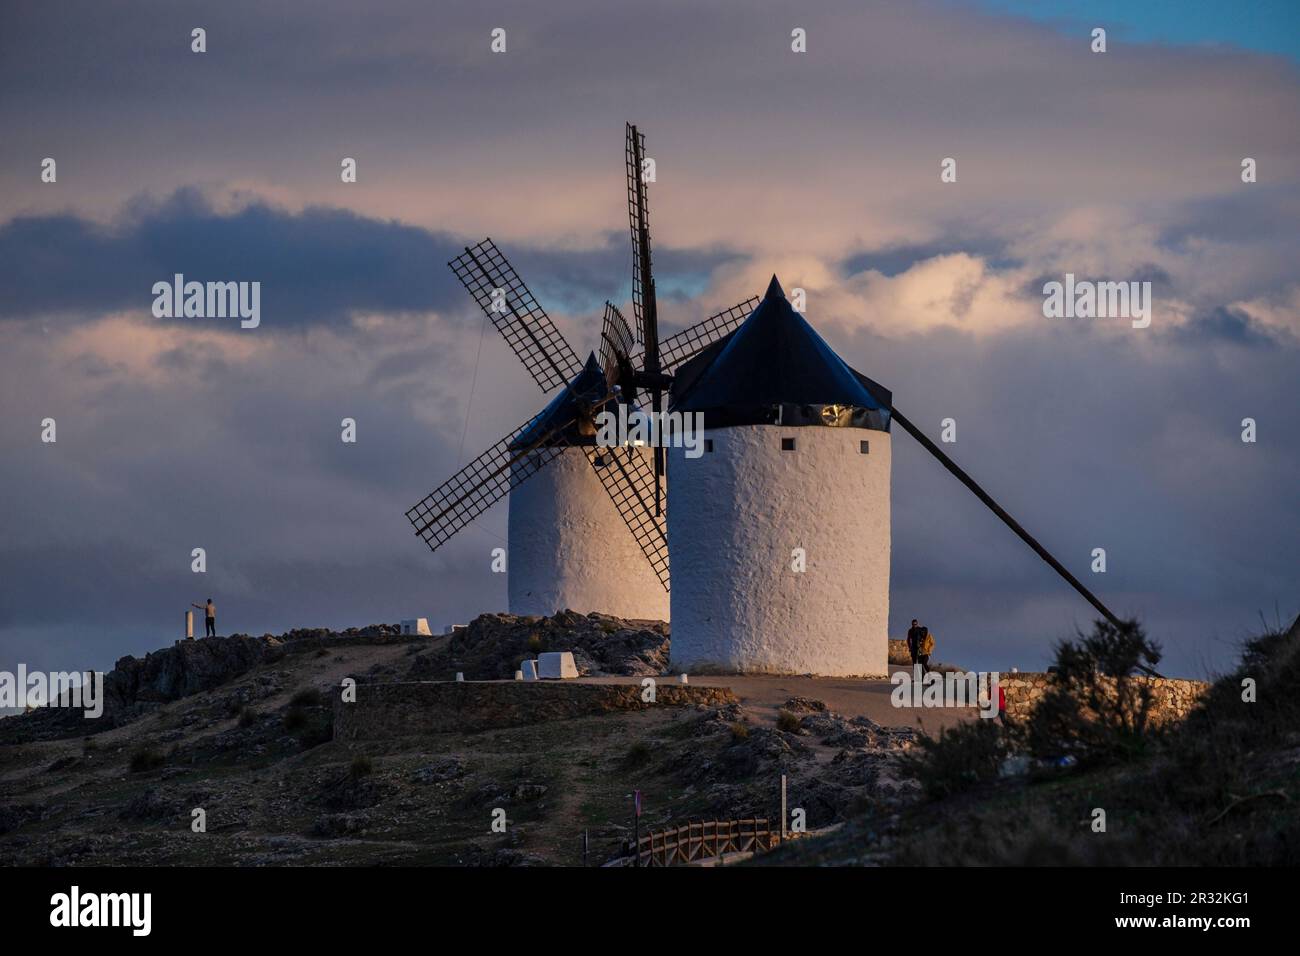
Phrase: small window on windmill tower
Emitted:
{"points": [[708, 445], [864, 447], [787, 444]]}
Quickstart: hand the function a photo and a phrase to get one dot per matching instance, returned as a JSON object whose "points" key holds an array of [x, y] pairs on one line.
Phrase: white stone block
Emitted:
{"points": [[519, 675], [460, 677], [529, 670], [556, 665], [417, 625], [684, 679]]}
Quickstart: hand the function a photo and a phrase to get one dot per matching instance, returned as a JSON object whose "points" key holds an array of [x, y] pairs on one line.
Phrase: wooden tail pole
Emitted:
{"points": [[1009, 521]]}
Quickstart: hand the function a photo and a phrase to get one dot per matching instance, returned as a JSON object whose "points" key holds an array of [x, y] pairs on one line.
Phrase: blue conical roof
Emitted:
{"points": [[776, 369], [587, 386]]}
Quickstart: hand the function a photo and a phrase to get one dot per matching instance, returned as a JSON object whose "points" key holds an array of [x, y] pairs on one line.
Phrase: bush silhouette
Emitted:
{"points": [[1095, 709]]}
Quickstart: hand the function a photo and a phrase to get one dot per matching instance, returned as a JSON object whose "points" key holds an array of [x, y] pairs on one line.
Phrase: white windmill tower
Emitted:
{"points": [[792, 576], [569, 545]]}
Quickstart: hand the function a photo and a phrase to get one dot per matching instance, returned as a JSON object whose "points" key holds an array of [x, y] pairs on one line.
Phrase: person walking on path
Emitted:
{"points": [[209, 617], [924, 648], [913, 637]]}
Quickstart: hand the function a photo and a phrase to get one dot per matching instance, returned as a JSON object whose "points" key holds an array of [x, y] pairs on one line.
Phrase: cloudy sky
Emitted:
{"points": [[822, 167]]}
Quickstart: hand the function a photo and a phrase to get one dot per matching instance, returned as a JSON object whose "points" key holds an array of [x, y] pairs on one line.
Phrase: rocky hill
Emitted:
{"points": [[239, 731]]}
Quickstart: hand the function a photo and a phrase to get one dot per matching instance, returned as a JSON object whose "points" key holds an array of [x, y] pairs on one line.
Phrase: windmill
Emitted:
{"points": [[569, 527], [767, 488], [780, 531]]}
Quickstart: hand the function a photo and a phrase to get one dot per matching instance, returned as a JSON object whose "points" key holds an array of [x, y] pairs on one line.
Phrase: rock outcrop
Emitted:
{"points": [[493, 645], [139, 685]]}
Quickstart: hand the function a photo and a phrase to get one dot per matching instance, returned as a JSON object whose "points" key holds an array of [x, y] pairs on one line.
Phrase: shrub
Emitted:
{"points": [[787, 721], [361, 766], [637, 755], [145, 759], [317, 732], [535, 642], [739, 731], [1094, 708], [247, 717], [307, 697], [295, 718], [962, 756], [1212, 759]]}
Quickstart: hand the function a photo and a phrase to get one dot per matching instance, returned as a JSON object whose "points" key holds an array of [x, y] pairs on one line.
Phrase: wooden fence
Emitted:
{"points": [[693, 842]]}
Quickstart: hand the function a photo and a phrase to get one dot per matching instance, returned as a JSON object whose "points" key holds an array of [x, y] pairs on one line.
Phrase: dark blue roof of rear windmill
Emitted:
{"points": [[589, 386], [776, 369]]}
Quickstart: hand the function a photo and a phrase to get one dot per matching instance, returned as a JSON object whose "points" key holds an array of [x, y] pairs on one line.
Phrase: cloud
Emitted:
{"points": [[321, 266], [757, 147], [1091, 442], [821, 167], [894, 260], [316, 266]]}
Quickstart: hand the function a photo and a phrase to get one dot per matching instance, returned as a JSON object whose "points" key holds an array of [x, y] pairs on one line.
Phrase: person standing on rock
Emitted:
{"points": [[913, 638], [924, 648], [209, 617]]}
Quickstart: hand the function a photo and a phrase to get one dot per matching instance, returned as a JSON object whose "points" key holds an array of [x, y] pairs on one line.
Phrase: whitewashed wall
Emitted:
{"points": [[569, 548], [734, 517]]}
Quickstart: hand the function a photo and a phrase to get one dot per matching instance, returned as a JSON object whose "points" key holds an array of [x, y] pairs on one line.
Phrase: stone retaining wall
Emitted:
{"points": [[437, 707], [1171, 699]]}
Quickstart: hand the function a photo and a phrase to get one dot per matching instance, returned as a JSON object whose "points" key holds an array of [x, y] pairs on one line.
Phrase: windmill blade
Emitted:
{"points": [[676, 349], [616, 345], [643, 286], [660, 463], [481, 484], [524, 324], [630, 483], [1009, 521]]}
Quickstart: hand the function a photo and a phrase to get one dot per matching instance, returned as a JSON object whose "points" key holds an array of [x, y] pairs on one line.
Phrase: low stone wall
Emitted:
{"points": [[1171, 699], [438, 707]]}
